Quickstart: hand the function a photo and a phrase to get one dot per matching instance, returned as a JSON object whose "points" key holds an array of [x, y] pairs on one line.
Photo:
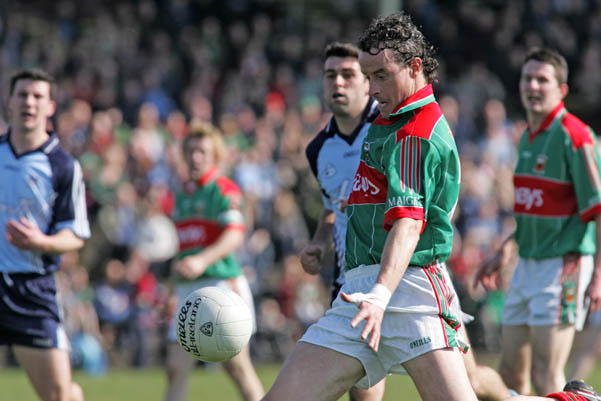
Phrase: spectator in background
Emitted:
{"points": [[113, 304], [81, 321]]}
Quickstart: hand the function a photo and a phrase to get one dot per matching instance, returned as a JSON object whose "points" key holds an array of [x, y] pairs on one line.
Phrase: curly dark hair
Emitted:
{"points": [[398, 33]]}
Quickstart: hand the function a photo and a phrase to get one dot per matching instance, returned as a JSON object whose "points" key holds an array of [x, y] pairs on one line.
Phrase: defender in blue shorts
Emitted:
{"points": [[42, 215]]}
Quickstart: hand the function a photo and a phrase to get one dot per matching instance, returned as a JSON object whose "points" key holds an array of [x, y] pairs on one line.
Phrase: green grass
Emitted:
{"points": [[205, 384]]}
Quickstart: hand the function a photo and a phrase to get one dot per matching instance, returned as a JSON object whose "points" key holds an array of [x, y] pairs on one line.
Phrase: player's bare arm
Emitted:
{"points": [[488, 273], [398, 249], [27, 236], [195, 265], [312, 254]]}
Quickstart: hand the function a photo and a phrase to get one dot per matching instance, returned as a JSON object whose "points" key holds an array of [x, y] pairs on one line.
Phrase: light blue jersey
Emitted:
{"points": [[334, 159], [46, 187]]}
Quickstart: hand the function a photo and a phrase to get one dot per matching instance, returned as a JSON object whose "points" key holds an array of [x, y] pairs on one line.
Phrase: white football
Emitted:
{"points": [[213, 324]]}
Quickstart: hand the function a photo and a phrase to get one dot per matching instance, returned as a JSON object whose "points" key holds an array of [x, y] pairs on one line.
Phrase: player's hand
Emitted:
{"points": [[488, 273], [371, 313], [310, 258], [25, 235], [593, 292], [191, 266]]}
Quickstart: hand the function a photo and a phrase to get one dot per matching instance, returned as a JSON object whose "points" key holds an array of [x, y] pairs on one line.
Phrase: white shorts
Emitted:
{"points": [[549, 292], [239, 285], [423, 315]]}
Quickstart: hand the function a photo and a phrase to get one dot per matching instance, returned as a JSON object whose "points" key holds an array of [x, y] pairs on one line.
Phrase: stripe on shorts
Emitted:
{"points": [[444, 297], [570, 274]]}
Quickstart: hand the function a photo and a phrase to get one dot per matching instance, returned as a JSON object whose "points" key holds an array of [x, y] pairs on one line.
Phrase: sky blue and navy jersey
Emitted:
{"points": [[46, 187], [334, 159]]}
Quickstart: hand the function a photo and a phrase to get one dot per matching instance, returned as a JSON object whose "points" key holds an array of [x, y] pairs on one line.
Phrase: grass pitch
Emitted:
{"points": [[206, 383]]}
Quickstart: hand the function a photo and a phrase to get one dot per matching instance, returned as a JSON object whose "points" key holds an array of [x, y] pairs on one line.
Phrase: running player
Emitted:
{"points": [[42, 215]]}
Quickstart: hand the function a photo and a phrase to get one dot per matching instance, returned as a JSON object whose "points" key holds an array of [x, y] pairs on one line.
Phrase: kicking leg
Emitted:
{"points": [[314, 373]]}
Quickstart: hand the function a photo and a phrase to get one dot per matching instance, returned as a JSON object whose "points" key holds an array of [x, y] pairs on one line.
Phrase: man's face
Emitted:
{"points": [[30, 106], [200, 156], [345, 88], [390, 83], [540, 90]]}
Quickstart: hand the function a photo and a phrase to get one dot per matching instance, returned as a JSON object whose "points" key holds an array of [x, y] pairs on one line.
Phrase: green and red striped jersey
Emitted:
{"points": [[203, 210], [409, 168], [557, 188]]}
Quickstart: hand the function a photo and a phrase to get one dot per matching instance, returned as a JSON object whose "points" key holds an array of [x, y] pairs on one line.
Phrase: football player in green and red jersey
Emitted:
{"points": [[210, 227], [558, 232], [396, 310]]}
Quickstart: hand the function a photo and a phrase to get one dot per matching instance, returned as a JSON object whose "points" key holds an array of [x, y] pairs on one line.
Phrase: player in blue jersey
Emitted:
{"points": [[334, 153], [42, 215], [334, 156]]}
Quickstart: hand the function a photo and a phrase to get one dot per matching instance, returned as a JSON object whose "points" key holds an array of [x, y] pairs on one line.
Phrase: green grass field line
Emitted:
{"points": [[206, 384]]}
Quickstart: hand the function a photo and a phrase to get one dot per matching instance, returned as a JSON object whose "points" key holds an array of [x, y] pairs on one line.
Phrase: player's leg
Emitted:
{"points": [[315, 373], [49, 371], [242, 371], [374, 393], [440, 375], [516, 358], [486, 381], [550, 351], [585, 352], [178, 366]]}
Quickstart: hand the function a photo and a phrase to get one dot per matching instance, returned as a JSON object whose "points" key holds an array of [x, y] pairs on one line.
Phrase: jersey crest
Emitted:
{"points": [[541, 161]]}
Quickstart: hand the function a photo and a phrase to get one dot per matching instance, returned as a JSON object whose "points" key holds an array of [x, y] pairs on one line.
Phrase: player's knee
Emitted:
{"points": [[76, 392], [56, 392]]}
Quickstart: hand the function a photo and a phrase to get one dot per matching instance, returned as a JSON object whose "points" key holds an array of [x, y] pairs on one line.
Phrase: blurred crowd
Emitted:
{"points": [[132, 75]]}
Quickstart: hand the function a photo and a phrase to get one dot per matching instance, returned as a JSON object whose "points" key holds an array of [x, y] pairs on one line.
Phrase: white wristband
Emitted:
{"points": [[379, 296]]}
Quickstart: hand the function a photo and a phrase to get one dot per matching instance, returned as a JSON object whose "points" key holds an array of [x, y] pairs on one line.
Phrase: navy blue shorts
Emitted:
{"points": [[29, 311]]}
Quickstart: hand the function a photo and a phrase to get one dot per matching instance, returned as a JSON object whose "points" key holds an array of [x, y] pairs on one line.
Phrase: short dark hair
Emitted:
{"points": [[398, 33], [339, 49], [33, 74], [552, 57]]}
